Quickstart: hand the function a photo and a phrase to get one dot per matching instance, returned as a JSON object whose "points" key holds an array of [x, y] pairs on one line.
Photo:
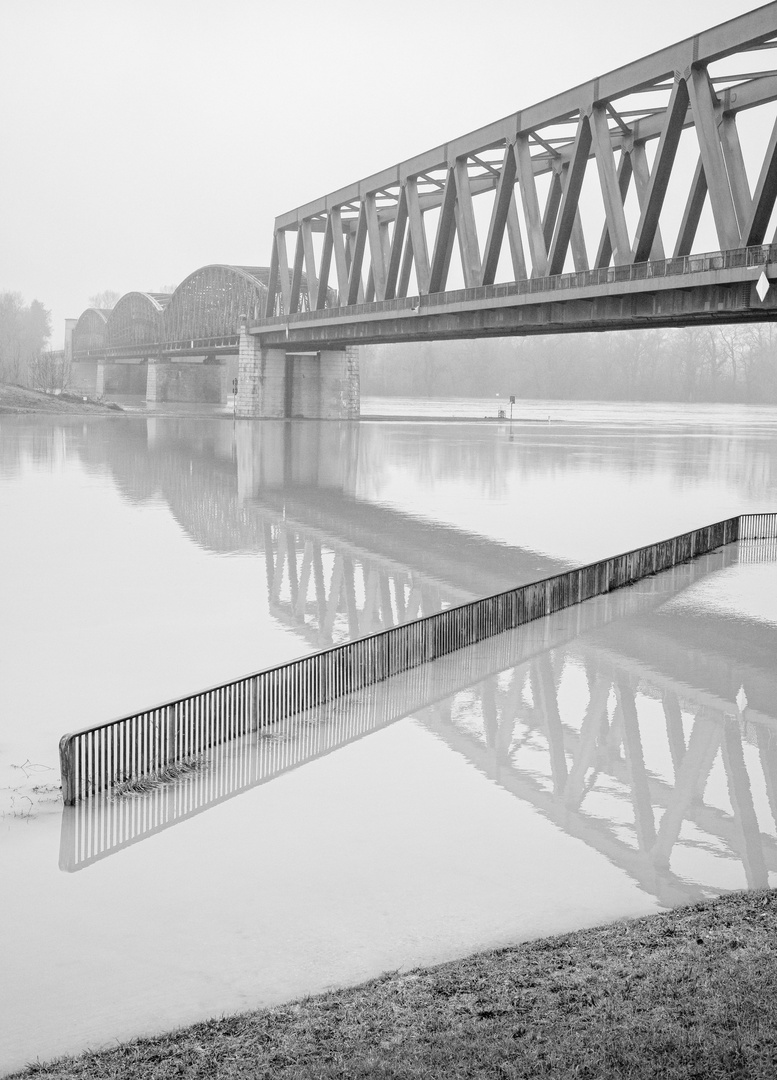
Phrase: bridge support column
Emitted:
{"points": [[276, 384], [151, 381], [124, 377], [261, 379], [99, 385], [191, 381], [83, 377]]}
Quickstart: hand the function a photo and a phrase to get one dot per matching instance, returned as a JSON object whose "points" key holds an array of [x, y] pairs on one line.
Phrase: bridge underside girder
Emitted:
{"points": [[699, 306]]}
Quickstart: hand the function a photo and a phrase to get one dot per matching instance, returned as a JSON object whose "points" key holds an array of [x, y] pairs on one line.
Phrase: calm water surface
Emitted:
{"points": [[618, 759]]}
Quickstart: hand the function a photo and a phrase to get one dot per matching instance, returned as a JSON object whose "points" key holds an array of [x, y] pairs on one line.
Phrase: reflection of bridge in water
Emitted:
{"points": [[337, 562], [337, 566], [593, 769]]}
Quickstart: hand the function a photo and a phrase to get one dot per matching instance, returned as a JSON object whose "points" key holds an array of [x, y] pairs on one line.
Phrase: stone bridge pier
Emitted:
{"points": [[280, 384]]}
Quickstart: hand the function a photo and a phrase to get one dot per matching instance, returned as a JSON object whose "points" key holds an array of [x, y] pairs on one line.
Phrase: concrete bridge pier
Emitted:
{"points": [[190, 380], [83, 377], [281, 384], [124, 376]]}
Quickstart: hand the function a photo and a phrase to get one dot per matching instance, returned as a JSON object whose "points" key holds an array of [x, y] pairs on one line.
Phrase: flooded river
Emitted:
{"points": [[612, 760]]}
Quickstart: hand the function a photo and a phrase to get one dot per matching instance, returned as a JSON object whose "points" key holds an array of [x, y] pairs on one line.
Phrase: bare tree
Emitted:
{"points": [[24, 330], [105, 299], [49, 370]]}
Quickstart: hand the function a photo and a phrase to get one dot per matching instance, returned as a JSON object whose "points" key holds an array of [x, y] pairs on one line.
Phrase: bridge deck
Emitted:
{"points": [[712, 287]]}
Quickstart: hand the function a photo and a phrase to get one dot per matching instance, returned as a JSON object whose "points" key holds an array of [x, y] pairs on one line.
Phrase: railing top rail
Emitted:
{"points": [[264, 672]]}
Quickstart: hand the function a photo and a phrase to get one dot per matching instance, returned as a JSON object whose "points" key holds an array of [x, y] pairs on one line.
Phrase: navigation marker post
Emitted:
{"points": [[762, 286]]}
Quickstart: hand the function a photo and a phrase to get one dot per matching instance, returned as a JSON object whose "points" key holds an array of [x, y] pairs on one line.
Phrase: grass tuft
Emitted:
{"points": [[141, 785]]}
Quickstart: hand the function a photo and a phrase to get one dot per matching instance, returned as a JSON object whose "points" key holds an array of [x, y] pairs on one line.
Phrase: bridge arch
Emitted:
{"points": [[211, 301], [136, 319], [89, 333]]}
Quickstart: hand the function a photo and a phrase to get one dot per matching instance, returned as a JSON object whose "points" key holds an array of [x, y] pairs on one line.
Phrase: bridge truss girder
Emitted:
{"points": [[375, 238]]}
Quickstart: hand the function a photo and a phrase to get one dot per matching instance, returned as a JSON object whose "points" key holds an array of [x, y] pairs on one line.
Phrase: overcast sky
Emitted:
{"points": [[144, 138]]}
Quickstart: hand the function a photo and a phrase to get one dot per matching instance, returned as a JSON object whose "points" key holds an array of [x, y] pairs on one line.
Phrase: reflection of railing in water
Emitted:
{"points": [[98, 827], [500, 704], [148, 741]]}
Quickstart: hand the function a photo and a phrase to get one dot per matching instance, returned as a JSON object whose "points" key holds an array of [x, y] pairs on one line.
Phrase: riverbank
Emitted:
{"points": [[18, 400], [687, 993]]}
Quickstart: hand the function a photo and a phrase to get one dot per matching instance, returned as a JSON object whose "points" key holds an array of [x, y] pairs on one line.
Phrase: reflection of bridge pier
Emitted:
{"points": [[279, 456]]}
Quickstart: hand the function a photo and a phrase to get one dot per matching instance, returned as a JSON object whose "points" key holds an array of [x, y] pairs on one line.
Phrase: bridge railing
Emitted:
{"points": [[156, 348], [682, 265], [168, 735]]}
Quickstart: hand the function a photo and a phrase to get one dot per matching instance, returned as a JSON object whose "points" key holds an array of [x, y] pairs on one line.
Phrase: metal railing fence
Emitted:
{"points": [[161, 737]]}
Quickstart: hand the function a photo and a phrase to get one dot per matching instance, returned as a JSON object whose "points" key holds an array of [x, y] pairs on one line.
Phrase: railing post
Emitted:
{"points": [[67, 768]]}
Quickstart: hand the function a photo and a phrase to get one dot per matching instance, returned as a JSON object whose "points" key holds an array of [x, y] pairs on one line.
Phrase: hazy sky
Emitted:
{"points": [[144, 138]]}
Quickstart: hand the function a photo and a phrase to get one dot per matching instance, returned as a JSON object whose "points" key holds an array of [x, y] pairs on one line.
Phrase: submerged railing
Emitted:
{"points": [[96, 828], [175, 732]]}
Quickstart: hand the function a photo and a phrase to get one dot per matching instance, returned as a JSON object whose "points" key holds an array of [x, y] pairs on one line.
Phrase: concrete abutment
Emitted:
{"points": [[280, 384]]}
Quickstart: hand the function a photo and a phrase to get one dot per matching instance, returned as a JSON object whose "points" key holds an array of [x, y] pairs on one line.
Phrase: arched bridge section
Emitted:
{"points": [[644, 197], [184, 346]]}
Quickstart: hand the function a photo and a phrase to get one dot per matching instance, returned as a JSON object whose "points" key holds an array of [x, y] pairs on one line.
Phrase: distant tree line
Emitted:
{"points": [[721, 363], [24, 331]]}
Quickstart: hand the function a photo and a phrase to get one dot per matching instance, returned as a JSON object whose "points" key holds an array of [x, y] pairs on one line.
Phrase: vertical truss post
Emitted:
{"points": [[397, 242], [641, 169], [692, 212], [357, 257], [577, 243], [407, 265], [283, 269], [611, 192], [369, 289], [466, 228], [443, 244], [418, 244], [517, 256], [338, 247], [662, 167], [764, 196], [552, 203], [504, 194], [604, 251], [570, 198], [272, 281], [735, 167], [702, 98], [377, 263], [326, 261], [296, 275], [538, 249], [310, 261]]}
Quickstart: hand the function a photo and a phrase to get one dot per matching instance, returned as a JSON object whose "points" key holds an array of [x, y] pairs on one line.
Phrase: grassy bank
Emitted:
{"points": [[690, 993], [17, 399]]}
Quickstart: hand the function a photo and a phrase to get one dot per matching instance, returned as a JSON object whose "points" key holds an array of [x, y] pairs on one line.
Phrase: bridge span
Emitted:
{"points": [[571, 195]]}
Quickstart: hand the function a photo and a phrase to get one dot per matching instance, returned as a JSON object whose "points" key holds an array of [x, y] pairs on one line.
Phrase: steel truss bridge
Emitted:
{"points": [[555, 218]]}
